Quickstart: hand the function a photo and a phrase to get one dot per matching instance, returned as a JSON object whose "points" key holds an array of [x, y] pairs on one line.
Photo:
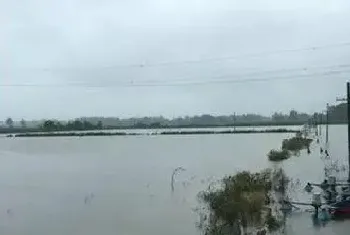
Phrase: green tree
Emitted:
{"points": [[99, 125], [9, 122], [88, 126], [278, 117], [49, 125], [293, 115], [60, 126], [23, 124], [78, 125]]}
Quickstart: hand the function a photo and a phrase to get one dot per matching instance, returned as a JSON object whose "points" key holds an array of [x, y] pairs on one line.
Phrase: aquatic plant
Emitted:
{"points": [[177, 170], [244, 202], [278, 155], [295, 144], [290, 146]]}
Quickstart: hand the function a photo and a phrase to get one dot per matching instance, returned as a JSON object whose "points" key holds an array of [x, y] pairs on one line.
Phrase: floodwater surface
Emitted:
{"points": [[121, 184]]}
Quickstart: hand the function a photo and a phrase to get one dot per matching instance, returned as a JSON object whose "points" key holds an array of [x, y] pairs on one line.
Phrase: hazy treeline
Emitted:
{"points": [[76, 125], [337, 114]]}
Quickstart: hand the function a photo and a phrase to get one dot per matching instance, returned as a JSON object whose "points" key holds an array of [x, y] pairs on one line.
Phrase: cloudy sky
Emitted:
{"points": [[71, 58]]}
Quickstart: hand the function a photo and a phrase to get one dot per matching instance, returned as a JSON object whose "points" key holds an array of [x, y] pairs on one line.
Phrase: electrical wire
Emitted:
{"points": [[197, 61], [253, 74], [317, 75]]}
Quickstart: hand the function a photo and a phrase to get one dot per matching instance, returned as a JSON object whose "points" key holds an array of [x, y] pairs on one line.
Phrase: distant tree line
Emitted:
{"points": [[337, 115], [76, 125], [10, 123]]}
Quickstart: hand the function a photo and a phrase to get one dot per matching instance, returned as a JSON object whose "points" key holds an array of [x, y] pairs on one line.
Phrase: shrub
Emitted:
{"points": [[296, 144], [242, 201], [278, 155]]}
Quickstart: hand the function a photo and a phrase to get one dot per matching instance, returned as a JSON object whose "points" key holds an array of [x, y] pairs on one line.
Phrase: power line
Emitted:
{"points": [[191, 83], [196, 61], [267, 53], [149, 82], [303, 69], [243, 81]]}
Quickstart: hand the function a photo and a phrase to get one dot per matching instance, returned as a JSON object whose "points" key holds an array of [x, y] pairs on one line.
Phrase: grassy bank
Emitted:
{"points": [[175, 132]]}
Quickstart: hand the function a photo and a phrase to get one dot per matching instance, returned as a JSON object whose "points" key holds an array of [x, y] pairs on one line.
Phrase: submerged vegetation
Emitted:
{"points": [[290, 146], [278, 155], [296, 144], [243, 202]]}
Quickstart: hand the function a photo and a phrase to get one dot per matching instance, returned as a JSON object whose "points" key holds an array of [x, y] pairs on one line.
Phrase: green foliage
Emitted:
{"points": [[280, 181], [244, 201], [205, 120], [76, 125], [9, 122], [99, 125], [23, 124], [296, 144], [272, 223], [299, 134], [65, 134], [278, 155], [49, 125], [291, 145]]}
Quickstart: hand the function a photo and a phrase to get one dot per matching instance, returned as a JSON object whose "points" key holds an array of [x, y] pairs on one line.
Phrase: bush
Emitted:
{"points": [[296, 144], [278, 155], [242, 201]]}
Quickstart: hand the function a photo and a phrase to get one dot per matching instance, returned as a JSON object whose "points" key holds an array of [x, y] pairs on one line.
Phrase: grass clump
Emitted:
{"points": [[241, 203], [278, 155]]}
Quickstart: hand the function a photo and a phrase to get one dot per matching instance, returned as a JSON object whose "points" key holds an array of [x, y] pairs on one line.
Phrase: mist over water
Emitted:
{"points": [[122, 184]]}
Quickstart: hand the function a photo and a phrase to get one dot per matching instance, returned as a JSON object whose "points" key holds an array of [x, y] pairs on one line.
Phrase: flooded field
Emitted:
{"points": [[121, 184]]}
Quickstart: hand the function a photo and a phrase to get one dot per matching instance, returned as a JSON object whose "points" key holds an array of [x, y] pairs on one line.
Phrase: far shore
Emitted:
{"points": [[170, 132]]}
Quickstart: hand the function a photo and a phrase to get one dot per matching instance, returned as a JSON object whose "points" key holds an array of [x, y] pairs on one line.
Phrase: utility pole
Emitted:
{"points": [[327, 122], [320, 131], [348, 109], [347, 99]]}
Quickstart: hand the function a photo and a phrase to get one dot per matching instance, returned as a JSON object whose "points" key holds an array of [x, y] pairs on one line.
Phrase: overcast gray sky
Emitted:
{"points": [[71, 58]]}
